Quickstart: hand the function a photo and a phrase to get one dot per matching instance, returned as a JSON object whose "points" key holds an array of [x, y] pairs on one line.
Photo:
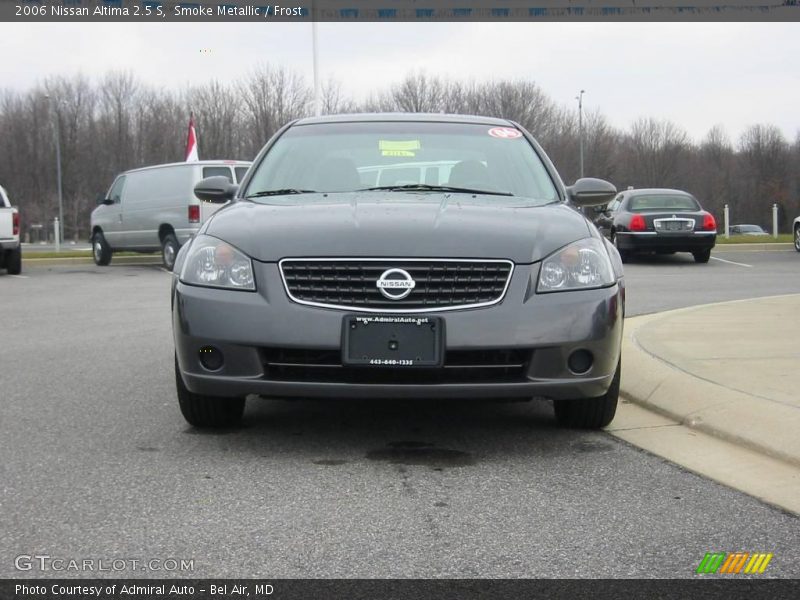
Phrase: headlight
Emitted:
{"points": [[214, 263], [582, 265]]}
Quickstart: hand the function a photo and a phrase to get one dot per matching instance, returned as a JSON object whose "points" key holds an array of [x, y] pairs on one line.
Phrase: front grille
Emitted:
{"points": [[439, 284], [460, 366]]}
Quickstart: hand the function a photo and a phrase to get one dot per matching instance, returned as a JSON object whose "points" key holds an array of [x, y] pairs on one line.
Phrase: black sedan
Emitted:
{"points": [[399, 256], [658, 220]]}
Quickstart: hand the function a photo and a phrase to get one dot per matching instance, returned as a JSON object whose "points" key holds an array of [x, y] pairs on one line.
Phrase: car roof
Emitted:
{"points": [[403, 117], [202, 163], [665, 191]]}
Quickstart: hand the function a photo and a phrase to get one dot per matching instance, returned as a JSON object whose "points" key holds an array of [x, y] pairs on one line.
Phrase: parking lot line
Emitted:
{"points": [[730, 262], [20, 276]]}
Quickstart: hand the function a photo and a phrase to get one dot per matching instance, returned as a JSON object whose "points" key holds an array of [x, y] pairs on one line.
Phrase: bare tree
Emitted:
{"points": [[218, 117], [271, 97], [764, 159], [655, 149], [119, 94], [419, 93], [334, 101]]}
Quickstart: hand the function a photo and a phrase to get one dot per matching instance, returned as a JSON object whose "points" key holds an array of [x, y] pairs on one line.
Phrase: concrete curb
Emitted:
{"points": [[762, 247], [117, 260], [653, 382]]}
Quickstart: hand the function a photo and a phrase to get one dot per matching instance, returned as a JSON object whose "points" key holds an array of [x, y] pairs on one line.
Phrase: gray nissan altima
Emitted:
{"points": [[398, 256]]}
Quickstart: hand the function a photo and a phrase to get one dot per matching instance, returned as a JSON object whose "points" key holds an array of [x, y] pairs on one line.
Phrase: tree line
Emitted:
{"points": [[117, 123]]}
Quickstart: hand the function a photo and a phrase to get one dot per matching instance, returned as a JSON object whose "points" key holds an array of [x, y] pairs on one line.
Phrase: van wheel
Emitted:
{"points": [[797, 237], [14, 261], [169, 250], [590, 413], [101, 251], [207, 411]]}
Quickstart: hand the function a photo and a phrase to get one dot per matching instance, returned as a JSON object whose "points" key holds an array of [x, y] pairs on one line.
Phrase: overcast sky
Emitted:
{"points": [[697, 74]]}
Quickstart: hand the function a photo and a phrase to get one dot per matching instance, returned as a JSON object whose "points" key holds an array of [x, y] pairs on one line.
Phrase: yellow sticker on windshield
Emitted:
{"points": [[398, 147]]}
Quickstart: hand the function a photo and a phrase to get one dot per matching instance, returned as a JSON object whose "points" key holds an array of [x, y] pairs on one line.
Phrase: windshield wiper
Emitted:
{"points": [[283, 192], [424, 187]]}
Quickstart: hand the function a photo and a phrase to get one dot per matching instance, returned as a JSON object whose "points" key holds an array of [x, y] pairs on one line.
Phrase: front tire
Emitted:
{"points": [[797, 237], [101, 251], [590, 413], [169, 251], [702, 256], [14, 261], [209, 412]]}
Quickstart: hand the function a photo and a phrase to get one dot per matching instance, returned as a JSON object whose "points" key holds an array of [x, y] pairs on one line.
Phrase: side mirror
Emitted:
{"points": [[101, 199], [588, 191], [217, 189]]}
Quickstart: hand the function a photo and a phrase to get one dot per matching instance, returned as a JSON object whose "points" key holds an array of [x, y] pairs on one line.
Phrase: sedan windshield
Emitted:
{"points": [[413, 157], [663, 202]]}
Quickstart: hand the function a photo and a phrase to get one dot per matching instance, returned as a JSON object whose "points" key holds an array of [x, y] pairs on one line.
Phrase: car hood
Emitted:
{"points": [[392, 224]]}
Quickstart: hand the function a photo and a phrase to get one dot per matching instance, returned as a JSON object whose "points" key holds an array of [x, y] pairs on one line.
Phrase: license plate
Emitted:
{"points": [[392, 341], [674, 225]]}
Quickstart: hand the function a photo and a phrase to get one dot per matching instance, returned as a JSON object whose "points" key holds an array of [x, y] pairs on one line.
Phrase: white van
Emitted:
{"points": [[154, 208]]}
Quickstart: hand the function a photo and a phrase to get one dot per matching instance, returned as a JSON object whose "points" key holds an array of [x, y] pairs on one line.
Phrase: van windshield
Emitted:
{"points": [[217, 172], [414, 156]]}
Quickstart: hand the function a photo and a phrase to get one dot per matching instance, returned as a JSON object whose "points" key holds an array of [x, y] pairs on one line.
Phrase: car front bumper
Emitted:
{"points": [[541, 331], [655, 241]]}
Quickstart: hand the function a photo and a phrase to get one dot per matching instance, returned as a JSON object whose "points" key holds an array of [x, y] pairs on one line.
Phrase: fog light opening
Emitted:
{"points": [[211, 358], [580, 361]]}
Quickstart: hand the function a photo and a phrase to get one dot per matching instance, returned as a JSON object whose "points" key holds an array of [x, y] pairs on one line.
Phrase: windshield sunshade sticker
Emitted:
{"points": [[505, 133], [399, 148]]}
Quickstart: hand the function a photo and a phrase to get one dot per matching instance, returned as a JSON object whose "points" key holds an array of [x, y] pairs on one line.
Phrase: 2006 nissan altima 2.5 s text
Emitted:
{"points": [[398, 256]]}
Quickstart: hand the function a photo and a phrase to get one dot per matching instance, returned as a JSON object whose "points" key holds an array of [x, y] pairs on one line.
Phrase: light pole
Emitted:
{"points": [[317, 100], [58, 170], [579, 98]]}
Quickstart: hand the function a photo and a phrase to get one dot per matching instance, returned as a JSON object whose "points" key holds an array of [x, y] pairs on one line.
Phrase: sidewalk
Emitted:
{"points": [[729, 370]]}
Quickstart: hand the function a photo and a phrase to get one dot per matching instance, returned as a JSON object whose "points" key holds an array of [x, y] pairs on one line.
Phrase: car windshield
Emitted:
{"points": [[417, 157], [663, 202], [749, 229]]}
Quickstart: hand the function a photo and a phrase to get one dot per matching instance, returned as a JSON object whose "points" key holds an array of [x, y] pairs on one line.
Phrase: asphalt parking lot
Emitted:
{"points": [[97, 462]]}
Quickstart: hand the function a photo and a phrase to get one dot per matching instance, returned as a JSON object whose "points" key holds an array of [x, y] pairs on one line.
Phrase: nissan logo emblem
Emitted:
{"points": [[395, 284]]}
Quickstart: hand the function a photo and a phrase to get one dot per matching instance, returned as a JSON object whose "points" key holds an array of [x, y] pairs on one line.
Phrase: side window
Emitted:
{"points": [[116, 190], [217, 171], [240, 172], [615, 203]]}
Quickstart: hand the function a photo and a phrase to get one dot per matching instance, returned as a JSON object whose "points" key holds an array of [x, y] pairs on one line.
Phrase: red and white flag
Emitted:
{"points": [[191, 142]]}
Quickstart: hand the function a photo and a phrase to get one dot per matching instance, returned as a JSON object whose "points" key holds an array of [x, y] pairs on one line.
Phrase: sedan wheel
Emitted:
{"points": [[207, 411], [624, 255], [702, 256], [590, 413]]}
